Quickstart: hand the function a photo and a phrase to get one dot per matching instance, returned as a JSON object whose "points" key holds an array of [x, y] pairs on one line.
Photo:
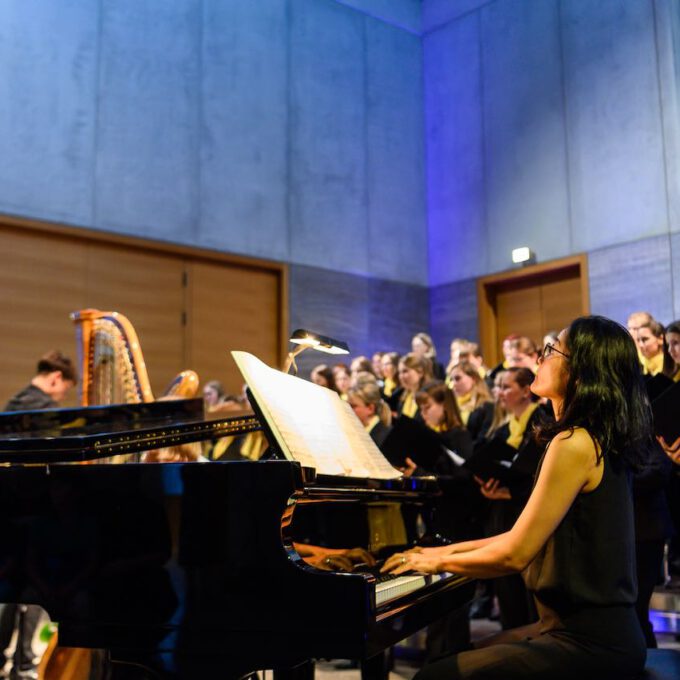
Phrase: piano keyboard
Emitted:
{"points": [[390, 587]]}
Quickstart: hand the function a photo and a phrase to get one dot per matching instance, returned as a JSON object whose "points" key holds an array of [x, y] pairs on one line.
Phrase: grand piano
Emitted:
{"points": [[178, 570]]}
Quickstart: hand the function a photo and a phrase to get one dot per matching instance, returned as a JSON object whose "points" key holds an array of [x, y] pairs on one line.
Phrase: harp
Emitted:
{"points": [[112, 366]]}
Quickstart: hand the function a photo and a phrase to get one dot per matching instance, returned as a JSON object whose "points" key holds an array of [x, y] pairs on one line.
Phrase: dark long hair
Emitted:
{"points": [[441, 394], [672, 368], [605, 393]]}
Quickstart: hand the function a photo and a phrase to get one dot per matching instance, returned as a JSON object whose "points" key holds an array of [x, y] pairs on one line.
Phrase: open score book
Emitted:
{"points": [[311, 424]]}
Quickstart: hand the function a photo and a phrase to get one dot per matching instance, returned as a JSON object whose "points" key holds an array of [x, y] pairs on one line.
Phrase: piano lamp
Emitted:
{"points": [[306, 339]]}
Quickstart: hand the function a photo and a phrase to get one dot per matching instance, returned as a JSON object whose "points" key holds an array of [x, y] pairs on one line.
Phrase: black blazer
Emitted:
{"points": [[379, 433], [652, 516], [480, 420], [503, 514], [460, 510]]}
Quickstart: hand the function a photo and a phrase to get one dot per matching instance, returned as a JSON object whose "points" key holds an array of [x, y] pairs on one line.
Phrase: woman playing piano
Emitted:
{"points": [[574, 540]]}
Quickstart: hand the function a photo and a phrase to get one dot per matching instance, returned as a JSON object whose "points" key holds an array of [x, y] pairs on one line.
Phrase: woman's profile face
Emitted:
{"points": [[455, 352], [210, 396], [648, 343], [376, 362], [507, 349], [432, 412], [418, 347], [496, 389], [319, 379], [462, 383], [388, 369], [512, 395], [553, 370], [342, 380], [409, 378], [673, 342], [364, 411]]}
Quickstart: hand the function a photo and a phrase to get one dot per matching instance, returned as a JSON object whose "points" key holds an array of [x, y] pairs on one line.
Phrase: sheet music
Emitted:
{"points": [[312, 425], [457, 460]]}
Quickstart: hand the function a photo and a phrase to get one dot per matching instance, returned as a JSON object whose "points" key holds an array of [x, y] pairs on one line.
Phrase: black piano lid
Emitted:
{"points": [[83, 420], [89, 433]]}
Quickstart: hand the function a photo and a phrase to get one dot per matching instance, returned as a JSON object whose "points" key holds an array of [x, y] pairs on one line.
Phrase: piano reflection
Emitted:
{"points": [[183, 569]]}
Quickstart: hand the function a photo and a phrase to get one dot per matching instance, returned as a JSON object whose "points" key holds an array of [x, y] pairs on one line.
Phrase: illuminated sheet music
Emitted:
{"points": [[312, 425]]}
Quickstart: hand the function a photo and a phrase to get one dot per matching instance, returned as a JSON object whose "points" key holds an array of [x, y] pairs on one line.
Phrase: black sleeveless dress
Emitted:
{"points": [[583, 581]]}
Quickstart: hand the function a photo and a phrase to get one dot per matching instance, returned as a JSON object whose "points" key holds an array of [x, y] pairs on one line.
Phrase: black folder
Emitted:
{"points": [[410, 438], [657, 384], [666, 411], [495, 459]]}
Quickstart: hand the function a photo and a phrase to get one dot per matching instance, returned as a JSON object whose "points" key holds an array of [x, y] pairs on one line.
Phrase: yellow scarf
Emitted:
{"points": [[654, 365], [254, 445], [464, 406], [519, 425], [676, 376], [409, 406], [389, 387], [464, 400]]}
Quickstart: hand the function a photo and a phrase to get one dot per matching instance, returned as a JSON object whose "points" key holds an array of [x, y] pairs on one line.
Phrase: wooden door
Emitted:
{"points": [[188, 307], [231, 308], [531, 302], [42, 280], [146, 287]]}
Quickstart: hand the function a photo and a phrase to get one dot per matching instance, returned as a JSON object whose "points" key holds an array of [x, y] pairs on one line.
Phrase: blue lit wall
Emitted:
{"points": [[290, 130], [553, 124], [399, 148]]}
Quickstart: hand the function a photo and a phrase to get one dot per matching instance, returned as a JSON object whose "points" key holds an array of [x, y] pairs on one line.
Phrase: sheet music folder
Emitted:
{"points": [[409, 438], [494, 460], [311, 424], [666, 410]]}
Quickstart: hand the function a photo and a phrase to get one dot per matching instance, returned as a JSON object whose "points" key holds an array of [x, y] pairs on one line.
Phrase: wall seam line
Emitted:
{"points": [[565, 122], [366, 145], [485, 192], [662, 118], [97, 121], [200, 115], [288, 141]]}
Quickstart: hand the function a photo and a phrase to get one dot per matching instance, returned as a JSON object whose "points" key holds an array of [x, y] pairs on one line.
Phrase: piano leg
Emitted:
{"points": [[377, 667]]}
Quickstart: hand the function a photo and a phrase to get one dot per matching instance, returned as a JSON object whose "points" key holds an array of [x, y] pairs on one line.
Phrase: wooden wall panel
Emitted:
{"points": [[561, 303], [231, 308], [42, 280], [188, 306], [147, 288], [519, 311], [530, 301]]}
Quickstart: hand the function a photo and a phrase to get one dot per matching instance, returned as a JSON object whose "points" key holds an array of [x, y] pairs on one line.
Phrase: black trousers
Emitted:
{"points": [[649, 556], [9, 620], [574, 653], [448, 635]]}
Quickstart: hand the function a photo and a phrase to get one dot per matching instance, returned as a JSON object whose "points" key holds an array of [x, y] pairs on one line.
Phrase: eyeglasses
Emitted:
{"points": [[549, 350]]}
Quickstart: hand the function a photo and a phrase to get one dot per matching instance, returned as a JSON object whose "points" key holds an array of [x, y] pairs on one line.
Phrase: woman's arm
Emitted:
{"points": [[570, 466], [440, 551]]}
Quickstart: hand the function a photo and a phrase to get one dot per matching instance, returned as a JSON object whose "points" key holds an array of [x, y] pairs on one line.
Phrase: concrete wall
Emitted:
{"points": [[554, 124], [387, 141], [289, 130]]}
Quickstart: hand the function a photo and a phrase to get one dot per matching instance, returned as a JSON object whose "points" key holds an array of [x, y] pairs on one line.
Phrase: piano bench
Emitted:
{"points": [[662, 664]]}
